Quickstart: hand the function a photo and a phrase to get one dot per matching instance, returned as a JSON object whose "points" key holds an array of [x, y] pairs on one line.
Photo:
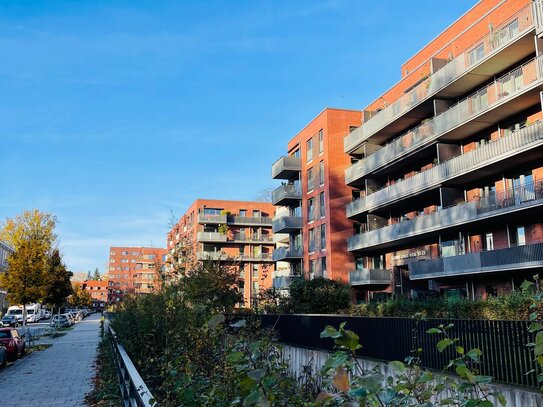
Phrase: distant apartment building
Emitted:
{"points": [[312, 199], [98, 290], [236, 232], [447, 166], [134, 270], [5, 252]]}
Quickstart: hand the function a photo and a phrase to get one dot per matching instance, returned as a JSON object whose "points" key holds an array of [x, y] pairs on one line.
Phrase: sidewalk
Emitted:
{"points": [[58, 376]]}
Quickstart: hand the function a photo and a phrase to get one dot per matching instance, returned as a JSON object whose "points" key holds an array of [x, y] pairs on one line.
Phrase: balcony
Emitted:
{"points": [[212, 256], [509, 259], [287, 167], [287, 195], [488, 56], [287, 224], [257, 257], [286, 254], [211, 237], [211, 218], [518, 142], [498, 100], [249, 220], [284, 282], [497, 204], [239, 238], [369, 277]]}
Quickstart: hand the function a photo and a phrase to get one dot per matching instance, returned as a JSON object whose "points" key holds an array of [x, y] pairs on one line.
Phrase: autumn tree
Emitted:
{"points": [[32, 236], [80, 297], [57, 282]]}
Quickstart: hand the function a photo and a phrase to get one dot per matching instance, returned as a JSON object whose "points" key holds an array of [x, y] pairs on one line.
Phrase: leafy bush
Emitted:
{"points": [[317, 296]]}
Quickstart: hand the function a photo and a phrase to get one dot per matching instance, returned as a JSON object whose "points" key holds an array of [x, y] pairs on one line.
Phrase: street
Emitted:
{"points": [[59, 375]]}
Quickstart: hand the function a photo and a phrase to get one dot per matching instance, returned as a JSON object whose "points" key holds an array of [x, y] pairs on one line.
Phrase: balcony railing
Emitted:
{"points": [[211, 218], [249, 220], [286, 224], [287, 192], [284, 282], [508, 32], [212, 256], [286, 253], [369, 277], [203, 255], [494, 204], [286, 167], [502, 89], [254, 257], [512, 258], [211, 237], [523, 139], [253, 238]]}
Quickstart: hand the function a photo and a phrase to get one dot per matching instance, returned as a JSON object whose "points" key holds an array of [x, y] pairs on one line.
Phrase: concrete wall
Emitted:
{"points": [[298, 358]]}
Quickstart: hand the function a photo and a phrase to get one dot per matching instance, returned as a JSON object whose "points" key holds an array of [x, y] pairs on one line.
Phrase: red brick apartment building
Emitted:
{"points": [[134, 270], [235, 231], [98, 290], [447, 166], [313, 196]]}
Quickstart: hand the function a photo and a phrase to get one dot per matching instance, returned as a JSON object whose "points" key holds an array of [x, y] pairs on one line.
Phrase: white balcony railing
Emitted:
{"points": [[508, 32], [523, 139], [502, 89]]}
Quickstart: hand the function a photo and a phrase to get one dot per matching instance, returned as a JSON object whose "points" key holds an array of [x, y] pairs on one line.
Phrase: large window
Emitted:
{"points": [[310, 180], [323, 266], [310, 209], [323, 237], [309, 149], [311, 268], [321, 173], [322, 205], [321, 141], [311, 240]]}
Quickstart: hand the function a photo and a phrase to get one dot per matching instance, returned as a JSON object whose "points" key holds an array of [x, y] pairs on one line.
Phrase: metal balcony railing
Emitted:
{"points": [[253, 238], [249, 220], [369, 277], [286, 224], [512, 258], [211, 256], [255, 257], [286, 167], [494, 204], [502, 89], [521, 140], [284, 282], [211, 218], [508, 32], [211, 237], [287, 192], [287, 253]]}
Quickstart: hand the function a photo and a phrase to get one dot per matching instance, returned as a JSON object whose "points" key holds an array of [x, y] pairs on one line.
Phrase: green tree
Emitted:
{"points": [[25, 277], [319, 295], [96, 275], [57, 282]]}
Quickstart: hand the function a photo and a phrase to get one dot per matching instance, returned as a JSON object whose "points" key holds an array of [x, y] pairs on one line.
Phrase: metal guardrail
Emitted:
{"points": [[134, 391]]}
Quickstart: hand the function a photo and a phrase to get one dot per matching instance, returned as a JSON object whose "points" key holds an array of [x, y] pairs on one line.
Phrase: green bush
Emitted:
{"points": [[317, 296]]}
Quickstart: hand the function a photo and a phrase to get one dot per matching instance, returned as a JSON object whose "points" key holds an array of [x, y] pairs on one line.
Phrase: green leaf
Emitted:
{"points": [[533, 316], [397, 366], [348, 339], [433, 331], [337, 359], [215, 321], [330, 332], [235, 357], [501, 399], [256, 374], [443, 344], [538, 349], [483, 379], [460, 350], [240, 324], [536, 326], [474, 354], [465, 373], [526, 285]]}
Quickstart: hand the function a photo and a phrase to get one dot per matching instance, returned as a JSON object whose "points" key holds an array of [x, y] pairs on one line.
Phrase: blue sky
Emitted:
{"points": [[115, 113]]}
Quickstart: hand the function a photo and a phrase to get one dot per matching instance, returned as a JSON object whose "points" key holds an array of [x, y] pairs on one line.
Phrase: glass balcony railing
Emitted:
{"points": [[211, 218], [369, 277], [508, 32], [494, 204], [502, 89], [287, 192], [211, 237], [284, 282], [287, 253], [286, 224], [511, 258], [521, 140], [286, 167]]}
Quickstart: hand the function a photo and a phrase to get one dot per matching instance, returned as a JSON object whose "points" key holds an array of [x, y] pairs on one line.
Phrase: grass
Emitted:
{"points": [[38, 348], [106, 391]]}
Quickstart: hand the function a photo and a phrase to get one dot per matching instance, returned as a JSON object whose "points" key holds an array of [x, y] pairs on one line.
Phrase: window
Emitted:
{"points": [[323, 266], [321, 173], [111, 268], [112, 260], [112, 253], [243, 212], [256, 287], [311, 240], [322, 205], [255, 270], [124, 253], [476, 54], [310, 209], [521, 236], [296, 153], [311, 268], [135, 253], [256, 213], [241, 249], [489, 241], [124, 260], [321, 141], [323, 237], [133, 261], [309, 149], [310, 180]]}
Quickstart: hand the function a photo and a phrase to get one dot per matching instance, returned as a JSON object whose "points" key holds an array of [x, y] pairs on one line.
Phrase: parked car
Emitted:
{"points": [[10, 320], [3, 356], [12, 341], [62, 320]]}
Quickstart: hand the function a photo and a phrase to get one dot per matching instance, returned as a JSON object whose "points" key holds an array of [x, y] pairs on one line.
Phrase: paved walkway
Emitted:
{"points": [[58, 376]]}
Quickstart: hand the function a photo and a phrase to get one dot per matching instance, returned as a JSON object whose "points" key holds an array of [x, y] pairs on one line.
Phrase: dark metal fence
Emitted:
{"points": [[503, 343]]}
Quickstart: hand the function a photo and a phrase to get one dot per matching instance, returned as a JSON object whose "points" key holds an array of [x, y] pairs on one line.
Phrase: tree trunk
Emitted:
{"points": [[24, 316]]}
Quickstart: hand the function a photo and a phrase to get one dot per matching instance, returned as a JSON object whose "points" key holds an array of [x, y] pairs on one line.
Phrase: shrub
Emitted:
{"points": [[317, 296]]}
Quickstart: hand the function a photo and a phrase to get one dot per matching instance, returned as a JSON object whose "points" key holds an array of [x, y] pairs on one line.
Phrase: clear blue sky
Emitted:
{"points": [[114, 113]]}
